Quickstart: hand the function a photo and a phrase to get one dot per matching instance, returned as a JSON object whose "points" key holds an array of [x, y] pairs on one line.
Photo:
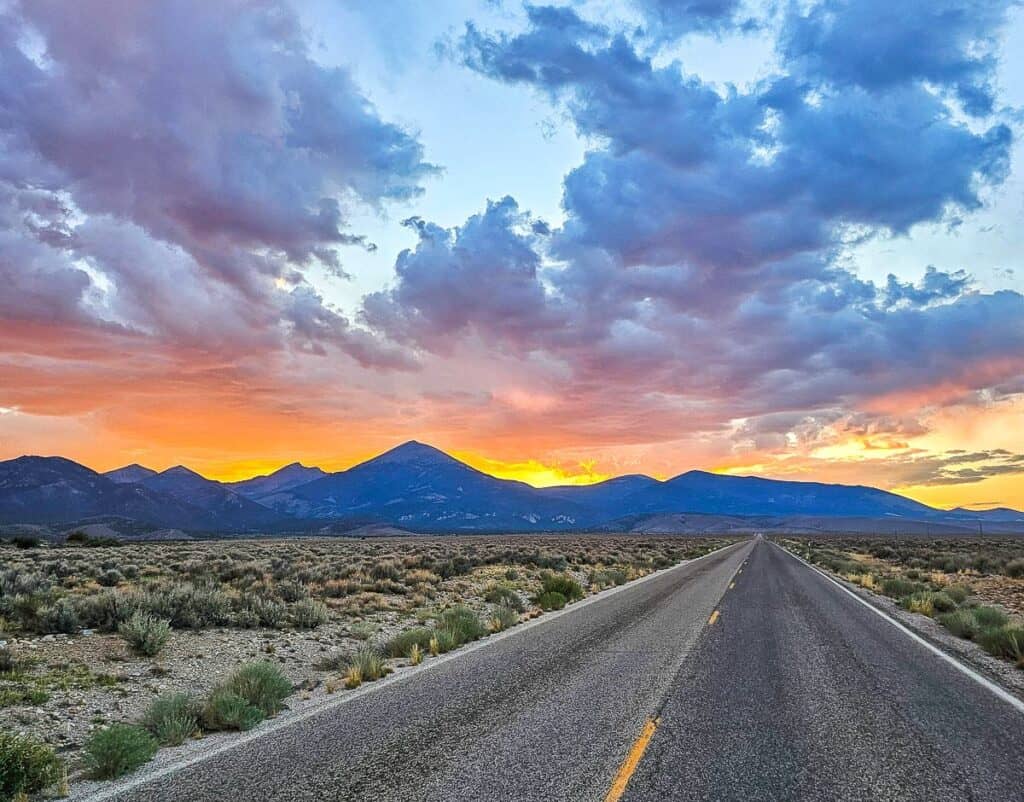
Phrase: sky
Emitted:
{"points": [[562, 242]]}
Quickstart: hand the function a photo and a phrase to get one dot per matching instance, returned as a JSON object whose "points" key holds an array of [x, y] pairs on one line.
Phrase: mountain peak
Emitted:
{"points": [[414, 451], [130, 473], [182, 471]]}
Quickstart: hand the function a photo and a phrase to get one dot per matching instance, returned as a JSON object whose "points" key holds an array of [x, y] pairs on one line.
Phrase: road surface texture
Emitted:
{"points": [[742, 676], [546, 713], [799, 692]]}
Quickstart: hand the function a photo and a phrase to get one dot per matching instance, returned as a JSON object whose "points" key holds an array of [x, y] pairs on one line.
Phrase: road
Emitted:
{"points": [[799, 692], [793, 691]]}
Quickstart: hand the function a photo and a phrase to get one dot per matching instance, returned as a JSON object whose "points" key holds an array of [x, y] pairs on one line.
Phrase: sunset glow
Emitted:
{"points": [[600, 244]]}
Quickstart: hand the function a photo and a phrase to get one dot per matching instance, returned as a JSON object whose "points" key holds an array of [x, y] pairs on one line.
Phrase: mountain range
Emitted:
{"points": [[418, 488]]}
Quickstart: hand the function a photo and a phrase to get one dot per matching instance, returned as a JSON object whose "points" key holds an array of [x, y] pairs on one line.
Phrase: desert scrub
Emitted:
{"points": [[1014, 568], [26, 766], [961, 623], [609, 578], [145, 634], [461, 624], [990, 617], [566, 585], [551, 600], [270, 613], [172, 718], [503, 617], [118, 749], [400, 644], [226, 710], [1003, 641], [309, 614], [262, 685], [919, 603], [897, 588], [368, 664], [499, 594], [943, 602]]}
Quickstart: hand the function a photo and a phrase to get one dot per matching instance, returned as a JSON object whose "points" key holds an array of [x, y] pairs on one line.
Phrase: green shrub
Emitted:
{"points": [[269, 612], [145, 634], [498, 594], [8, 662], [958, 593], [1003, 641], [226, 710], [609, 577], [261, 685], [368, 663], [172, 718], [117, 750], [61, 616], [445, 640], [988, 617], [898, 588], [400, 645], [942, 602], [960, 622], [503, 617], [292, 591], [566, 585], [309, 614], [105, 611], [1014, 568], [386, 570], [464, 624], [551, 600], [26, 766]]}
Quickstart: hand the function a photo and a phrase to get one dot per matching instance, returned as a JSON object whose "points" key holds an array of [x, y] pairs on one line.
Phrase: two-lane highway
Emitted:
{"points": [[745, 675], [799, 692]]}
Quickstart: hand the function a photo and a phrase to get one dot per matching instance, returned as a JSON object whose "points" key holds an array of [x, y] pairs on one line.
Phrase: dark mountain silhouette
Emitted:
{"points": [[994, 514], [225, 508], [130, 473], [56, 490], [711, 493], [280, 480], [416, 487]]}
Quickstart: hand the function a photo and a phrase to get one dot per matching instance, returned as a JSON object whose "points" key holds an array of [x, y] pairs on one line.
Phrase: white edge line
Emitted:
{"points": [[986, 683], [116, 788]]}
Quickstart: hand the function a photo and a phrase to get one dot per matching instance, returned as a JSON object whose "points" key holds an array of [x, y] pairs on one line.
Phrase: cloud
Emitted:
{"points": [[700, 264], [174, 168], [482, 275], [674, 18], [876, 44]]}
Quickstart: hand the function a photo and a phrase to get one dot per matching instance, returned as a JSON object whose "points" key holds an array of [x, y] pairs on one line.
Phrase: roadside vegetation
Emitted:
{"points": [[973, 587], [109, 651]]}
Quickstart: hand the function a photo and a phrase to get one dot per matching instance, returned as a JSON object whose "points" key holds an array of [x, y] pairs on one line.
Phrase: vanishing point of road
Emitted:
{"points": [[744, 675]]}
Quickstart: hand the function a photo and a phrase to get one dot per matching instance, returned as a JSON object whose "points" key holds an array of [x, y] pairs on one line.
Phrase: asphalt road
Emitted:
{"points": [[799, 692], [546, 713], [793, 691]]}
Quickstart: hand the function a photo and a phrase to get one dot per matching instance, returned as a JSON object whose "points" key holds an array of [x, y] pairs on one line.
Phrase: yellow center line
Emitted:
{"points": [[632, 761], [714, 617]]}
